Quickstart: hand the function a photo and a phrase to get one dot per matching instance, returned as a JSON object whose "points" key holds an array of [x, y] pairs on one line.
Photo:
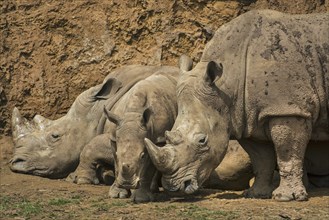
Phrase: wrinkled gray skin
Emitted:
{"points": [[146, 110], [263, 79], [51, 148]]}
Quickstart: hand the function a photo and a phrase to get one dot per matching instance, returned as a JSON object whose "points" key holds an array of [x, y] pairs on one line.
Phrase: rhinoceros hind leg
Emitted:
{"points": [[290, 136], [97, 153], [262, 158], [116, 192]]}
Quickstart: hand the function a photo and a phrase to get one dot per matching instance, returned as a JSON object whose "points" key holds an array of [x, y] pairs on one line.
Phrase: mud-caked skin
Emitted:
{"points": [[263, 79]]}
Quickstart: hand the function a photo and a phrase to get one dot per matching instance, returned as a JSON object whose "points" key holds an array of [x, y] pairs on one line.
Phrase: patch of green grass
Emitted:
{"points": [[105, 206], [118, 203], [64, 201], [59, 202], [166, 208], [28, 208], [4, 202], [201, 213], [16, 206]]}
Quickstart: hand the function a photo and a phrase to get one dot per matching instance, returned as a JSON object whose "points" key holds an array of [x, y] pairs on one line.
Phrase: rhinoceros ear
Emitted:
{"points": [[146, 116], [185, 63], [112, 117], [214, 72], [108, 88]]}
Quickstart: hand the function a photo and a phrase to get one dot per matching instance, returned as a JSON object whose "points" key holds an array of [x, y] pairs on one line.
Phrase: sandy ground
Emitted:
{"points": [[30, 197]]}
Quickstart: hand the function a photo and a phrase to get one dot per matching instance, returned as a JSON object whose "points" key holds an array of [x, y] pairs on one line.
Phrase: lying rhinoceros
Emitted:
{"points": [[148, 109], [263, 79], [51, 148]]}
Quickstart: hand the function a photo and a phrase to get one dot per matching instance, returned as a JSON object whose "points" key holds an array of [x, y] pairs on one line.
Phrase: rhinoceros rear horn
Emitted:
{"points": [[185, 63], [20, 125], [112, 117], [214, 72], [161, 157], [41, 121]]}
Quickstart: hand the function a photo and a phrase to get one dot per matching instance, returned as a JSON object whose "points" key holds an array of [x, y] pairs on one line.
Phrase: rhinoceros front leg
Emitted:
{"points": [[263, 162], [116, 192], [97, 152], [290, 136], [144, 193]]}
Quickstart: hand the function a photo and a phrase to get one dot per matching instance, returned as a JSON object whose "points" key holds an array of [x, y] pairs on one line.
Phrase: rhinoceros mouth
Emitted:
{"points": [[188, 186], [191, 186], [129, 184], [21, 165]]}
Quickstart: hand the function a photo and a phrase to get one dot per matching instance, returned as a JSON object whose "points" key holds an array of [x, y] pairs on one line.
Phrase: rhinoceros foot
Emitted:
{"points": [[258, 192], [81, 179], [286, 193], [142, 195], [116, 192]]}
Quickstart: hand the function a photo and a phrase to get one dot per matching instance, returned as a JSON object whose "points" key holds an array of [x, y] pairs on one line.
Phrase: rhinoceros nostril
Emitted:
{"points": [[187, 183], [17, 160]]}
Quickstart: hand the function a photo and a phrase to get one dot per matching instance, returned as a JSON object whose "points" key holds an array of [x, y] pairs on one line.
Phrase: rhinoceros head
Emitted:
{"points": [[51, 148], [131, 157], [199, 138]]}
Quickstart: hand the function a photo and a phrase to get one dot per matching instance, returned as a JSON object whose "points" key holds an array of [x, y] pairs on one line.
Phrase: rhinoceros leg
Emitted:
{"points": [[116, 192], [97, 152], [290, 136], [262, 158], [143, 193]]}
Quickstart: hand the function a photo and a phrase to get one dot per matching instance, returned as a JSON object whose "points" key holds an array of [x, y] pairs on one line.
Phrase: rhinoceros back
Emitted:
{"points": [[275, 64]]}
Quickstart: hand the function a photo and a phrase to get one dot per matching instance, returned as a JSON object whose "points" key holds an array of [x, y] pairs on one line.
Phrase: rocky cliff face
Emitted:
{"points": [[53, 50]]}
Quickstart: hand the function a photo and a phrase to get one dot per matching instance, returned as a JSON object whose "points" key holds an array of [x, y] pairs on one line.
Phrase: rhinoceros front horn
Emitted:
{"points": [[162, 157], [20, 125]]}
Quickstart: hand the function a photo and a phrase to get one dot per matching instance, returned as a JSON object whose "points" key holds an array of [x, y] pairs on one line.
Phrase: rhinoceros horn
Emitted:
{"points": [[20, 125], [162, 157], [41, 121], [185, 63]]}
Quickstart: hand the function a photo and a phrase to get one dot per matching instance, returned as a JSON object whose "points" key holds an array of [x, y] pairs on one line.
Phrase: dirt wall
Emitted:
{"points": [[53, 50]]}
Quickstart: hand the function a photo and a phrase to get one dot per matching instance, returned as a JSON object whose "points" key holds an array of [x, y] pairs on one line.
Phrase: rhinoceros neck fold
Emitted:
{"points": [[234, 58]]}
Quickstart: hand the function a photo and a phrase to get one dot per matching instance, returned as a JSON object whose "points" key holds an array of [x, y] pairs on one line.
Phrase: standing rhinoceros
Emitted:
{"points": [[51, 148], [263, 79]]}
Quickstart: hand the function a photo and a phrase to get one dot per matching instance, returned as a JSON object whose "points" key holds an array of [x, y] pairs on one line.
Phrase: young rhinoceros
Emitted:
{"points": [[263, 79], [147, 110], [51, 148]]}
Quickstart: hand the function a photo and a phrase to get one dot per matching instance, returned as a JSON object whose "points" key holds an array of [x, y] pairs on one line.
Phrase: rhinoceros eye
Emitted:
{"points": [[202, 139], [142, 155], [54, 137]]}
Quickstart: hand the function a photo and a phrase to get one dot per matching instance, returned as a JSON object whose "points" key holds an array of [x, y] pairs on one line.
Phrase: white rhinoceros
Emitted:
{"points": [[53, 148], [148, 109], [263, 79]]}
